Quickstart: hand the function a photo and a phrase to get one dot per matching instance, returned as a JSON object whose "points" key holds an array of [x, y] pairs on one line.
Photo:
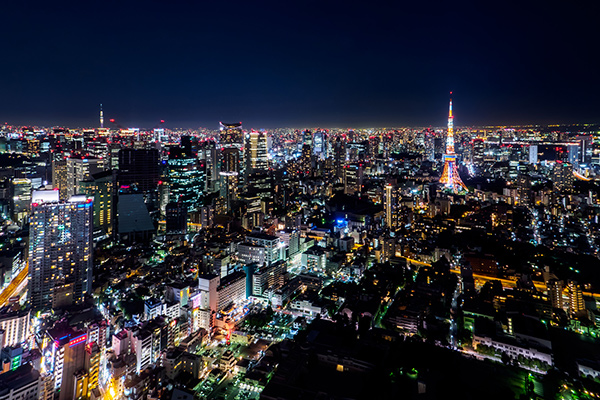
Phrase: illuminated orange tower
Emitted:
{"points": [[450, 177]]}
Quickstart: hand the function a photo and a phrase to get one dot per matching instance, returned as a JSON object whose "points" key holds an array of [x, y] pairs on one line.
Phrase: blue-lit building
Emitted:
{"points": [[186, 178]]}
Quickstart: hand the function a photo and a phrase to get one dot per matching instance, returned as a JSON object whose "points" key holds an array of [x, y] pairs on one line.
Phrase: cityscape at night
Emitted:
{"points": [[312, 200]]}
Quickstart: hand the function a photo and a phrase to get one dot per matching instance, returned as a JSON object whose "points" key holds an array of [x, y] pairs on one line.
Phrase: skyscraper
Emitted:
{"points": [[139, 167], [256, 152], [562, 176], [186, 176], [60, 246], [391, 206], [80, 169], [231, 135], [101, 187], [207, 150], [450, 177], [353, 177]]}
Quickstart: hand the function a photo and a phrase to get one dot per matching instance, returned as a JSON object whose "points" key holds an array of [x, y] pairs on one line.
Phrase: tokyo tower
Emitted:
{"points": [[450, 177]]}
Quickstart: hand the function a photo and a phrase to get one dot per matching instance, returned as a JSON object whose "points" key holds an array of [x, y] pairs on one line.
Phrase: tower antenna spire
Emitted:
{"points": [[450, 177], [101, 117]]}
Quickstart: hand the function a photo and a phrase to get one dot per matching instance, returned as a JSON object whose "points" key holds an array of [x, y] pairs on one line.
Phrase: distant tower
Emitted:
{"points": [[101, 117], [450, 177]]}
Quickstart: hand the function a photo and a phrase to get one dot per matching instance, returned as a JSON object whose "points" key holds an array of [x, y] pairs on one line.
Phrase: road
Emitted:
{"points": [[15, 287]]}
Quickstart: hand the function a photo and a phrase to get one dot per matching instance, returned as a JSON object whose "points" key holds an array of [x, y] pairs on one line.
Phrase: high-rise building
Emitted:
{"points": [[229, 176], [101, 187], [306, 159], [562, 176], [64, 359], [59, 174], [307, 138], [391, 203], [256, 152], [186, 177], [176, 218], [231, 135], [555, 292], [339, 157], [450, 177], [353, 177], [207, 150], [139, 167], [80, 169], [21, 200], [60, 246], [576, 303], [320, 144]]}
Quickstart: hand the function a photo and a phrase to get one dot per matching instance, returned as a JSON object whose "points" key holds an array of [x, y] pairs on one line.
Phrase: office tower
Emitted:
{"points": [[555, 292], [59, 174], [60, 247], [186, 178], [229, 176], [562, 176], [207, 216], [450, 177], [256, 152], [533, 154], [101, 117], [176, 218], [320, 144], [134, 222], [231, 135], [21, 200], [585, 148], [101, 186], [391, 205], [207, 150], [261, 185], [573, 154], [306, 159], [374, 142], [523, 186], [139, 168], [339, 157], [357, 151], [99, 147], [576, 303], [353, 177], [80, 169]]}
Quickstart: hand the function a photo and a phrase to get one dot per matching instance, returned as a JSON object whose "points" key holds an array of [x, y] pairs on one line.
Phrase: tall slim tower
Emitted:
{"points": [[101, 117], [450, 177]]}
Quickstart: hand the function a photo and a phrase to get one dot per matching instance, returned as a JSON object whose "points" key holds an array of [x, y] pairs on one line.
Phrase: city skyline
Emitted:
{"points": [[333, 64]]}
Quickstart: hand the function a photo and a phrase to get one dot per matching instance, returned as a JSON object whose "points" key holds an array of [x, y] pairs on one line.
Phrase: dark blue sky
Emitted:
{"points": [[297, 63]]}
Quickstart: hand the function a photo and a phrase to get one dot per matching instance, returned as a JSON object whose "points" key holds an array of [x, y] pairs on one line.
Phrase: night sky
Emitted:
{"points": [[298, 63]]}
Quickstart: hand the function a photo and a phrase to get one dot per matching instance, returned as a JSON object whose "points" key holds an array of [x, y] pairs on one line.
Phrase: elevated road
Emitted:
{"points": [[480, 280], [15, 287]]}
